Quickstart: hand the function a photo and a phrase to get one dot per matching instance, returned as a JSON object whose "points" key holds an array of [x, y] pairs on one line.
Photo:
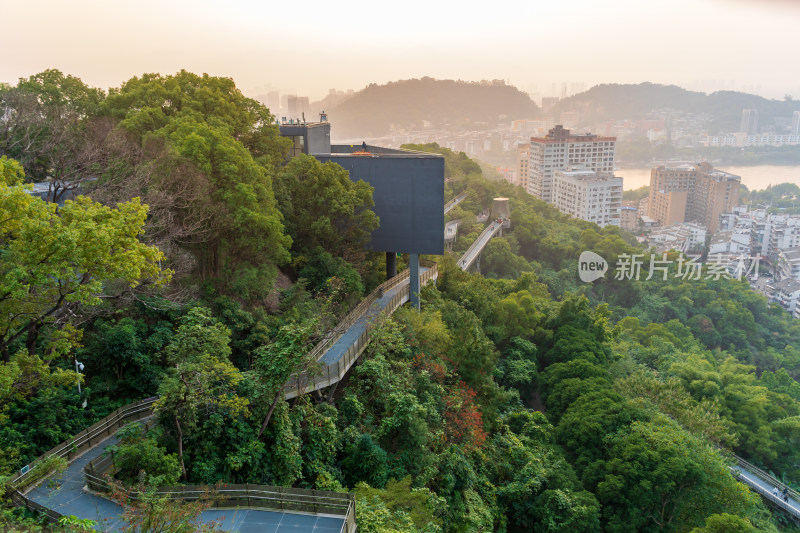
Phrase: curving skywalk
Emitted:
{"points": [[65, 495], [337, 352], [477, 247], [454, 202]]}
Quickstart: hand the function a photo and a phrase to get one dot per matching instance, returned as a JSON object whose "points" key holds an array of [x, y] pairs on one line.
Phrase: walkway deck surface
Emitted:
{"points": [[454, 202], [755, 482], [65, 495], [477, 247], [349, 337]]}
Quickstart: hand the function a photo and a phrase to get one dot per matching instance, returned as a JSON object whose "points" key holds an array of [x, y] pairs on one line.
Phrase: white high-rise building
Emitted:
{"points": [[749, 123], [796, 122], [588, 195], [560, 150]]}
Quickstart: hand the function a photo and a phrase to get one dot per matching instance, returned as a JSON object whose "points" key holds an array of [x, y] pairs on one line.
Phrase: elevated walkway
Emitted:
{"points": [[454, 202], [337, 353], [764, 484], [474, 251], [240, 507]]}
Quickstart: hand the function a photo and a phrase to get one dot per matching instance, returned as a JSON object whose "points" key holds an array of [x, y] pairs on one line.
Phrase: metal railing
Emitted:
{"points": [[352, 317], [454, 202], [89, 437], [244, 496], [75, 446], [770, 480], [777, 501], [249, 496], [311, 380], [476, 247], [764, 476]]}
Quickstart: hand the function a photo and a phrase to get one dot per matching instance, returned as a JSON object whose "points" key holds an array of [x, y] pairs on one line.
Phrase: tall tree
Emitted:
{"points": [[202, 382], [323, 207], [54, 260], [230, 148], [52, 127]]}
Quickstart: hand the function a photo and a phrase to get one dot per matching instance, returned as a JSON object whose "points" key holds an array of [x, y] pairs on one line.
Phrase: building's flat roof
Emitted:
{"points": [[572, 139], [587, 175], [791, 254], [786, 285], [357, 150]]}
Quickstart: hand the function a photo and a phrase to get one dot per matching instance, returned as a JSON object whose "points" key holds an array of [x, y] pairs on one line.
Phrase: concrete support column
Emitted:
{"points": [[391, 265], [413, 268]]}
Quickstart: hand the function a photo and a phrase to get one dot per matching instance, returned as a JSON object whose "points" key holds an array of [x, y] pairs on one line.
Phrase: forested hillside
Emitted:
{"points": [[407, 104], [629, 101], [519, 399]]}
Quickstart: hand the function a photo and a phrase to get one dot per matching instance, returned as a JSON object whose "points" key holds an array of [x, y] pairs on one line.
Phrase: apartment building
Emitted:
{"points": [[696, 193], [629, 216], [588, 195], [786, 293], [561, 150], [788, 264], [523, 160], [749, 122]]}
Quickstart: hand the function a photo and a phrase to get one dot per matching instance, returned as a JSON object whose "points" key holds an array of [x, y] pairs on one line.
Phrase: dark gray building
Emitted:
{"points": [[408, 196]]}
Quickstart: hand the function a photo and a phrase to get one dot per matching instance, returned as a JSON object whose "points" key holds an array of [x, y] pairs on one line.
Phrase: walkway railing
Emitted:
{"points": [[454, 202], [284, 499], [767, 493], [316, 379], [246, 496], [353, 316], [72, 448], [476, 248]]}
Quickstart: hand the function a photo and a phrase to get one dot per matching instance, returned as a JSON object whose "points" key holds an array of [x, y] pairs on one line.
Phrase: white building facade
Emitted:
{"points": [[560, 150], [588, 195]]}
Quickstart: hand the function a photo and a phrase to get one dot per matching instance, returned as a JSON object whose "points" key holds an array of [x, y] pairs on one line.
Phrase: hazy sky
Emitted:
{"points": [[307, 47]]}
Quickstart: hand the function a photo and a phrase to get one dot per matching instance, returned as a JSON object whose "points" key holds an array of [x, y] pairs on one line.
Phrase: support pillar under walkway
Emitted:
{"points": [[413, 269], [391, 265]]}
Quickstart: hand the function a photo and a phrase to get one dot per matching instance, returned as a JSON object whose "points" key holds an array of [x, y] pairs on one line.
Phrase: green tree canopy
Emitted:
{"points": [[53, 259]]}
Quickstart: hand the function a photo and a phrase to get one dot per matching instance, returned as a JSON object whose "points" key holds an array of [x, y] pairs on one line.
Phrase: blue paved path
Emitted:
{"points": [[349, 337], [65, 495]]}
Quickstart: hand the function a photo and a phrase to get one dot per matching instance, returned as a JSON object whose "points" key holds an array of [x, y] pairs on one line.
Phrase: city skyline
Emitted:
{"points": [[701, 45]]}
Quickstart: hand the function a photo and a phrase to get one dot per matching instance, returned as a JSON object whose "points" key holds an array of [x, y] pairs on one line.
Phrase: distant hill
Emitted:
{"points": [[617, 101], [403, 105]]}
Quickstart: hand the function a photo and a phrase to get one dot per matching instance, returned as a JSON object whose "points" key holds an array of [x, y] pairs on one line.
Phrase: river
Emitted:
{"points": [[754, 177]]}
